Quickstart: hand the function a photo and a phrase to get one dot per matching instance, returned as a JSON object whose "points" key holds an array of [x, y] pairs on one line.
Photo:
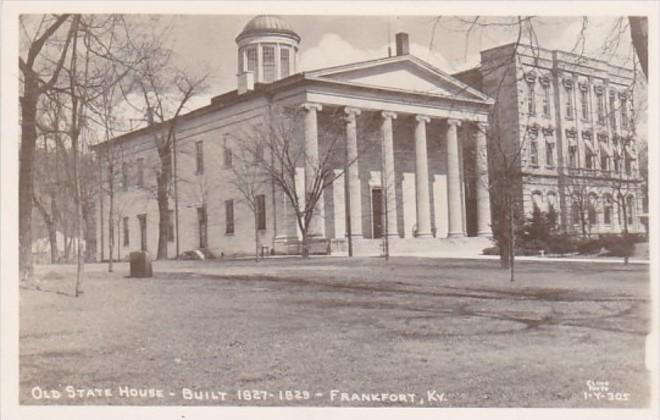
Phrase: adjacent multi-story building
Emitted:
{"points": [[567, 121]]}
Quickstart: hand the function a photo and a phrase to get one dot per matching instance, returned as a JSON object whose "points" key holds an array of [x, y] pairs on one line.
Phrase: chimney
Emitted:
{"points": [[402, 47], [245, 82]]}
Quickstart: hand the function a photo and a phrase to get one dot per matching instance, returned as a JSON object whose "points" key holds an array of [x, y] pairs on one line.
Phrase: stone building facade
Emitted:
{"points": [[404, 127], [569, 120]]}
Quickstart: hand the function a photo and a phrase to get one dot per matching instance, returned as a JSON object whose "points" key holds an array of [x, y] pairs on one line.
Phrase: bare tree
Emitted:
{"points": [[280, 138], [38, 75], [250, 179], [165, 91]]}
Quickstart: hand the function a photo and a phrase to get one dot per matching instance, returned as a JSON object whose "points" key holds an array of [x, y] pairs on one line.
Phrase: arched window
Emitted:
{"points": [[537, 200], [592, 208], [607, 209], [630, 211], [575, 213], [552, 200]]}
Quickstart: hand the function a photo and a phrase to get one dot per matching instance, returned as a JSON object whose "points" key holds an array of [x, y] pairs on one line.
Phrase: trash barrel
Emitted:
{"points": [[140, 264]]}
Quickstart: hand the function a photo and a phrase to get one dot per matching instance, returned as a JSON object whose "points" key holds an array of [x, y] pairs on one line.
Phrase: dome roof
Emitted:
{"points": [[268, 25]]}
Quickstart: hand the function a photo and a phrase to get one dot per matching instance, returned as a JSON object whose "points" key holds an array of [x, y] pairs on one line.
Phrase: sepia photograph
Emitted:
{"points": [[409, 206]]}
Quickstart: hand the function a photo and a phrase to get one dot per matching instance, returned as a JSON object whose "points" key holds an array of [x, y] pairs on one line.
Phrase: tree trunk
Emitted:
{"points": [[256, 237], [25, 176], [512, 242], [163, 180], [305, 245], [111, 215], [52, 239]]}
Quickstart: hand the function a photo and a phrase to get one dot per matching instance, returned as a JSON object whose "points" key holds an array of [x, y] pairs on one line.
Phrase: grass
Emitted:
{"points": [[409, 325]]}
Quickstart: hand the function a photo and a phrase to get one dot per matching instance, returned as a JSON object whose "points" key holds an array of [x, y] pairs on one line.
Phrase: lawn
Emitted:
{"points": [[407, 332]]}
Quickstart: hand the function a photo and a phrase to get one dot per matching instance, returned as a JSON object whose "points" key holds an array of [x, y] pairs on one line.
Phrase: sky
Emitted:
{"points": [[207, 43]]}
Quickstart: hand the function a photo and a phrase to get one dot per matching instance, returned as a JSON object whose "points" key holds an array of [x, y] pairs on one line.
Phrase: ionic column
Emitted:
{"points": [[422, 197], [286, 225], [454, 193], [353, 193], [483, 194], [316, 225], [388, 174]]}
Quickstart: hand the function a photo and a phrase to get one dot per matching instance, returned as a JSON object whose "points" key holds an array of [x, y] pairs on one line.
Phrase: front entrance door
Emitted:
{"points": [[143, 231], [201, 226], [377, 212]]}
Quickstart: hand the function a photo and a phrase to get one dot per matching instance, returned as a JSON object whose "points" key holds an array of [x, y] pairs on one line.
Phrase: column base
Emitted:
{"points": [[355, 236], [456, 235], [426, 235]]}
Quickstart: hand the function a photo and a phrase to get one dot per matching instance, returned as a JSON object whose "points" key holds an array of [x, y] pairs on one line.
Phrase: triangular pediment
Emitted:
{"points": [[403, 73]]}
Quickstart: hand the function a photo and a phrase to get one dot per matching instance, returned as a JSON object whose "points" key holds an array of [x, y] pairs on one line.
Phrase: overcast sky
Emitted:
{"points": [[207, 43]]}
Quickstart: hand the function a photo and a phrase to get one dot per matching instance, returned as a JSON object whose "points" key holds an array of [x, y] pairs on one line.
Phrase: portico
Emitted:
{"points": [[416, 166]]}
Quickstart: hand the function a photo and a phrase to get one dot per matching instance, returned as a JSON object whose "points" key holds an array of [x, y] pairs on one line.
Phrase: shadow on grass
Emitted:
{"points": [[57, 292]]}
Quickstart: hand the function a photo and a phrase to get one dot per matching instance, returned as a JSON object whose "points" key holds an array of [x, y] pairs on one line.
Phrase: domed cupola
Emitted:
{"points": [[267, 49]]}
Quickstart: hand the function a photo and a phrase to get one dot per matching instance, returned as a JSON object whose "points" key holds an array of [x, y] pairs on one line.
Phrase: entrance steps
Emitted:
{"points": [[431, 247]]}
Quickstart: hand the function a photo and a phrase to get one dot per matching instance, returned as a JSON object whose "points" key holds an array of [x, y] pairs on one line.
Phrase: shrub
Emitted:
{"points": [[589, 246], [620, 246], [560, 244], [493, 250]]}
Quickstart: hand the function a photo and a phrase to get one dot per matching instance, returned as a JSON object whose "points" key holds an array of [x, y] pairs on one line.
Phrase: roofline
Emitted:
{"points": [[386, 60], [488, 101], [268, 89], [556, 51]]}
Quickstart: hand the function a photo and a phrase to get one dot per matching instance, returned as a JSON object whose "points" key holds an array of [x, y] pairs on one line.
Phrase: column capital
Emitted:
{"points": [[454, 122], [351, 113], [422, 118], [483, 126], [309, 106], [388, 115]]}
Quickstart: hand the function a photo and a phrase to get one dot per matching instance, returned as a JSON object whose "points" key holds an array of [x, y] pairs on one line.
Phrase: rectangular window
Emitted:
{"points": [[170, 226], [569, 102], [199, 154], [251, 59], [572, 156], [550, 154], [612, 112], [269, 63], [624, 114], [260, 208], [229, 216], [604, 162], [617, 163], [628, 166], [126, 232], [533, 153], [546, 100], [227, 157], [584, 103], [607, 214], [142, 219], [601, 108], [589, 160], [531, 98], [140, 172], [285, 68], [124, 176]]}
